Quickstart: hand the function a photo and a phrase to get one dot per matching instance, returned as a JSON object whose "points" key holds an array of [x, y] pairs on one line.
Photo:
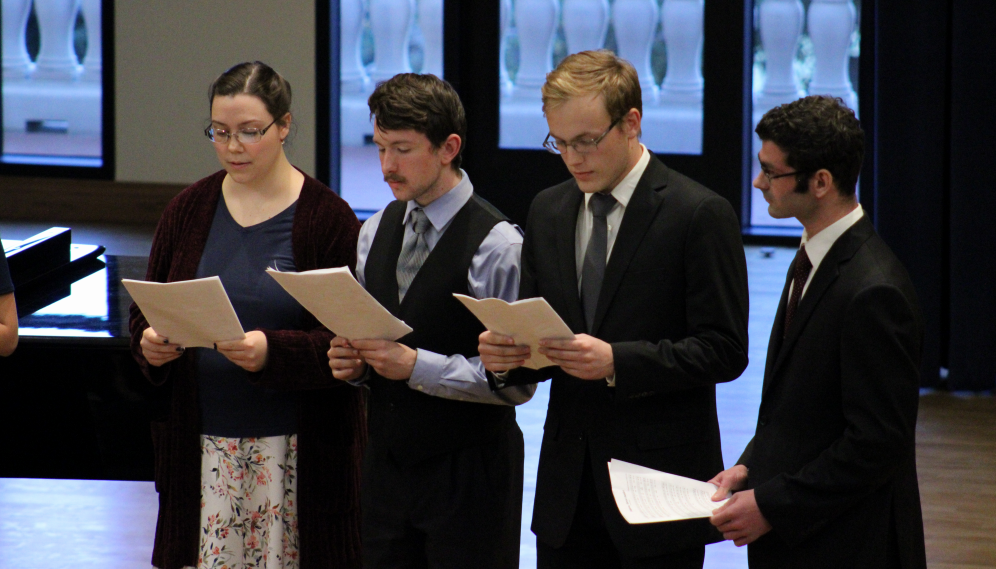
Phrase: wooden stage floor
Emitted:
{"points": [[57, 524]]}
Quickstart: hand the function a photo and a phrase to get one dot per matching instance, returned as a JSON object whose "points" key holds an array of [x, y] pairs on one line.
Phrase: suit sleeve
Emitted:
{"points": [[879, 348], [716, 302]]}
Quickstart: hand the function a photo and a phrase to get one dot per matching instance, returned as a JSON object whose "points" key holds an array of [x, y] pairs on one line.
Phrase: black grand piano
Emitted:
{"points": [[72, 401]]}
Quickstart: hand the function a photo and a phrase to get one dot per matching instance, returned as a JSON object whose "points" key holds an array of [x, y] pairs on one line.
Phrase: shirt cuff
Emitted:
{"points": [[429, 367], [362, 380], [501, 378]]}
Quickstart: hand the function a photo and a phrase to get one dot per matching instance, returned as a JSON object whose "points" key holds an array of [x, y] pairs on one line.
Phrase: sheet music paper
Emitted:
{"points": [[192, 314], [645, 495], [527, 321], [339, 302]]}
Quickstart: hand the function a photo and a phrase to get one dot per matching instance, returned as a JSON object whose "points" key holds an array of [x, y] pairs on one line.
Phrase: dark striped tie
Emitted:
{"points": [[413, 252]]}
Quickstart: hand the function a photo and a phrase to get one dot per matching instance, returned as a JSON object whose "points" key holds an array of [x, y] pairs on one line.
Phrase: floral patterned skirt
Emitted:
{"points": [[249, 503]]}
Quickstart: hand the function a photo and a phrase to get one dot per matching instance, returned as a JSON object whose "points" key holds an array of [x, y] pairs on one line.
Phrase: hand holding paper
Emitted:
{"points": [[644, 495], [191, 314], [527, 321]]}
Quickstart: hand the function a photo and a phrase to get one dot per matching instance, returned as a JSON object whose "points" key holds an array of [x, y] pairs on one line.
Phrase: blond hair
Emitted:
{"points": [[595, 72]]}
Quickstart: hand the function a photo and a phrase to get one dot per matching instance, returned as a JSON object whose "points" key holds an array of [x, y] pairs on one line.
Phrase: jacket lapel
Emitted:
{"points": [[640, 213], [777, 331], [841, 252], [566, 226]]}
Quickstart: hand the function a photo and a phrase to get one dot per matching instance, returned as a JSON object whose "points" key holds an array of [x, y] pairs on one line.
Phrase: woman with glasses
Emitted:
{"points": [[257, 463]]}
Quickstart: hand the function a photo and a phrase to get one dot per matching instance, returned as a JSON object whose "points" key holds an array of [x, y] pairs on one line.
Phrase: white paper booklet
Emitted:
{"points": [[528, 321], [645, 495], [192, 314], [339, 302]]}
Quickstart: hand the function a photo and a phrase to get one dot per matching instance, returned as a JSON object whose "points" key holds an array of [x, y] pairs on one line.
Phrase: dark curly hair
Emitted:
{"points": [[259, 80], [423, 103], [817, 132]]}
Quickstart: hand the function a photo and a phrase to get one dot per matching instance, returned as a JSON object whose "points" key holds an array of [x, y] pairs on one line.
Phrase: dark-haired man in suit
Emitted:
{"points": [[647, 268], [829, 479]]}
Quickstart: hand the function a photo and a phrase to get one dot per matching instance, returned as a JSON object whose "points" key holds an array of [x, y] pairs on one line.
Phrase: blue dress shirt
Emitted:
{"points": [[493, 273]]}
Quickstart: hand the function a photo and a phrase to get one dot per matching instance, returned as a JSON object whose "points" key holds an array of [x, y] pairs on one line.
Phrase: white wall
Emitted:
{"points": [[167, 53]]}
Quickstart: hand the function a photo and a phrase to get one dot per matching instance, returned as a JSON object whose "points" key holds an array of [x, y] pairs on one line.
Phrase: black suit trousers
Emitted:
{"points": [[455, 510], [589, 545]]}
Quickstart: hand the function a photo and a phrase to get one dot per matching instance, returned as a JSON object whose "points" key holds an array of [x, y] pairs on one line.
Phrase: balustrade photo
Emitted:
{"points": [[801, 47], [662, 39], [379, 39], [52, 82]]}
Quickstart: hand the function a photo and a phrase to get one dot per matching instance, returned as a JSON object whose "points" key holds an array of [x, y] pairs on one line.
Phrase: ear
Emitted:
{"points": [[449, 149], [822, 184], [631, 123], [285, 129]]}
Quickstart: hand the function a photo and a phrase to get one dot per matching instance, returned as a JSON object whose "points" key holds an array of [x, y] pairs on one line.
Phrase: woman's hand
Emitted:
{"points": [[248, 353], [157, 349], [345, 360]]}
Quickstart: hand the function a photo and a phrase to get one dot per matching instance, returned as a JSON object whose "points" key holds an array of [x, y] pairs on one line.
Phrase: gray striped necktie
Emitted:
{"points": [[413, 252], [593, 269]]}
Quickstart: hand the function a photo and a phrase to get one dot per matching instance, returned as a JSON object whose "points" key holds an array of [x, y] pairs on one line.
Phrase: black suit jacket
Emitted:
{"points": [[832, 462], [673, 305]]}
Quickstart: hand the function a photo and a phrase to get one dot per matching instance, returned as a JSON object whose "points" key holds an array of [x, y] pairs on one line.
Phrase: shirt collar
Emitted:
{"points": [[624, 190], [442, 210], [818, 247]]}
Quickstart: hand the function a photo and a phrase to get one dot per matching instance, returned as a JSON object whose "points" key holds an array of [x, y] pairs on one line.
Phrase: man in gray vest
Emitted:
{"points": [[442, 473]]}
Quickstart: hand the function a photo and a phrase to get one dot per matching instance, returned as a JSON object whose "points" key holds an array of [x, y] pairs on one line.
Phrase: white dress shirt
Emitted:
{"points": [[622, 192], [819, 245]]}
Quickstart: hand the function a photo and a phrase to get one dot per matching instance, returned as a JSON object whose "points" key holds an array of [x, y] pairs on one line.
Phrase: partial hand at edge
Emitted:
{"points": [[390, 360], [584, 357], [157, 350], [345, 360], [499, 353], [740, 519], [733, 479], [248, 353]]}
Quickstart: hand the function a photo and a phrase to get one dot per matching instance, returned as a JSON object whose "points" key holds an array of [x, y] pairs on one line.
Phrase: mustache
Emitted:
{"points": [[395, 178]]}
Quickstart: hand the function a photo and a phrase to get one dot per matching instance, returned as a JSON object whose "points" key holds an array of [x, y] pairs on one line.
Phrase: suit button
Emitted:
{"points": [[763, 420]]}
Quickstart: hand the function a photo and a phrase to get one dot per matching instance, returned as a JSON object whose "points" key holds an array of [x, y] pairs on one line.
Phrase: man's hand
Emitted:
{"points": [[740, 519], [248, 353], [585, 356], [730, 480], [157, 349], [389, 359], [499, 353], [345, 360]]}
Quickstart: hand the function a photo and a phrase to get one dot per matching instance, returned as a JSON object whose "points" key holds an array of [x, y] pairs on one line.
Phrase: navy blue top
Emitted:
{"points": [[232, 406], [6, 286]]}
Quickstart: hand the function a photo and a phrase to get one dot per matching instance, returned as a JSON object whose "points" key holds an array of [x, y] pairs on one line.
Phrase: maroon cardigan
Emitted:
{"points": [[331, 413]]}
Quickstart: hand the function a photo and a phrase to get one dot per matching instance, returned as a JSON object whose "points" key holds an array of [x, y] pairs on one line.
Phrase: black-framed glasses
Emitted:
{"points": [[244, 136], [580, 145], [776, 176]]}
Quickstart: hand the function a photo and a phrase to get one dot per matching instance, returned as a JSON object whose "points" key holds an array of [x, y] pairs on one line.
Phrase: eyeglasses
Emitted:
{"points": [[580, 145], [244, 136], [776, 176]]}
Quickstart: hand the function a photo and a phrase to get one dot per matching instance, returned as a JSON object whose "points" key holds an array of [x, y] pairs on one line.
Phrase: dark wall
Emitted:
{"points": [[972, 246], [935, 148]]}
